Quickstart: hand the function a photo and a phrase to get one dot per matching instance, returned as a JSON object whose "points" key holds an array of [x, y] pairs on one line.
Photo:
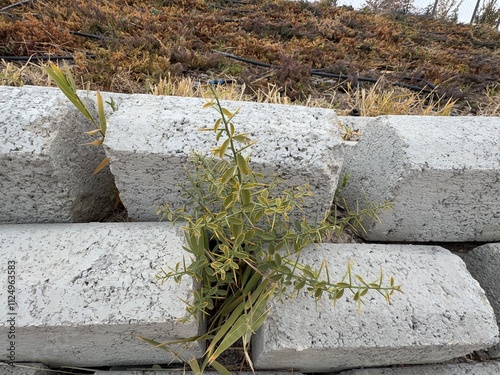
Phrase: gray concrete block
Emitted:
{"points": [[45, 171], [484, 265], [442, 314], [478, 368], [441, 174], [150, 138], [84, 292], [24, 369]]}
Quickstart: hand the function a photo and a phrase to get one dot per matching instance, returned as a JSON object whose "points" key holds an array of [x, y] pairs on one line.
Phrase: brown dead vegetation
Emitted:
{"points": [[134, 44]]}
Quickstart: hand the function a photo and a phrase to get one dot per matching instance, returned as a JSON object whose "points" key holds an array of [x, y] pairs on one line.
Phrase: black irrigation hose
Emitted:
{"points": [[39, 58], [85, 35], [319, 73], [15, 5]]}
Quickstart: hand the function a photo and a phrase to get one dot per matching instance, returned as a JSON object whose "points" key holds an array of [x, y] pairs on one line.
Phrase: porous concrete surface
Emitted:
{"points": [[484, 265], [476, 368], [442, 314], [150, 138], [440, 174], [24, 369], [45, 171], [84, 292]]}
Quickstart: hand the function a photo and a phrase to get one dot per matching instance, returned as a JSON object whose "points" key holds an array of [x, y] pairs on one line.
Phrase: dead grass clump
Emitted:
{"points": [[491, 105], [398, 101], [22, 74]]}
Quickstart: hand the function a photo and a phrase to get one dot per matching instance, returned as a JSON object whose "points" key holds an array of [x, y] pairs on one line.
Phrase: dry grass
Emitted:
{"points": [[491, 105], [379, 99], [399, 101], [22, 74]]}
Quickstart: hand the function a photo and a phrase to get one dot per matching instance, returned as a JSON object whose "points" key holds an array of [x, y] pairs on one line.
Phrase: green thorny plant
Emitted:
{"points": [[244, 248], [67, 85]]}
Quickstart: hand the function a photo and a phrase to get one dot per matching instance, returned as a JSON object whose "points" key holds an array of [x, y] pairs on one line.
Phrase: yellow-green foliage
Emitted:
{"points": [[67, 85], [244, 246]]}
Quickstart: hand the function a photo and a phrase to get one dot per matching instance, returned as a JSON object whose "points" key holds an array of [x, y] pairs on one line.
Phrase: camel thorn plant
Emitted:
{"points": [[243, 247], [66, 83]]}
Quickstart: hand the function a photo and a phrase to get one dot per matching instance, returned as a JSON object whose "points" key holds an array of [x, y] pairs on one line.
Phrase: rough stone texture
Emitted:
{"points": [[85, 291], [442, 314], [480, 368], [149, 139], [441, 175], [484, 265], [45, 172], [24, 369]]}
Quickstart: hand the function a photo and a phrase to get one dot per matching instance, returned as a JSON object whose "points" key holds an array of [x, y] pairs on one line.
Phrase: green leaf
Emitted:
{"points": [[67, 86], [220, 368], [236, 331], [242, 164], [230, 173], [228, 201], [70, 77], [224, 147], [267, 237], [242, 138], [277, 259], [249, 235], [248, 207], [318, 293], [101, 114], [300, 285], [338, 293], [246, 196], [235, 220], [227, 112], [216, 125], [195, 367]]}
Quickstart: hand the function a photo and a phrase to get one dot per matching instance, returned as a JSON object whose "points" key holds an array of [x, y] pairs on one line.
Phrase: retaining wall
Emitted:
{"points": [[77, 284]]}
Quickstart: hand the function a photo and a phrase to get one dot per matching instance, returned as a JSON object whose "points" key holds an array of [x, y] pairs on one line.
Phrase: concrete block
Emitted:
{"points": [[442, 314], [484, 265], [440, 173], [84, 292], [45, 172], [478, 368], [24, 369], [150, 138]]}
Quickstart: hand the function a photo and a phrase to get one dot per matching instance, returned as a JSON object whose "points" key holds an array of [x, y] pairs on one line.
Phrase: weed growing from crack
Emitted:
{"points": [[244, 249]]}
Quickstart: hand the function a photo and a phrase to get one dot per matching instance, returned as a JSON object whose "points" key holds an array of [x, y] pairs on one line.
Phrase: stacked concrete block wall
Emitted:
{"points": [[150, 139], [441, 177], [84, 292], [45, 172], [442, 314]]}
